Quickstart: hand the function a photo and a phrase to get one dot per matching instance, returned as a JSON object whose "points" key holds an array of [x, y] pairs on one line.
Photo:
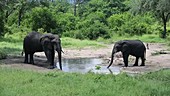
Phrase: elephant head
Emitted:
{"points": [[50, 44], [119, 46]]}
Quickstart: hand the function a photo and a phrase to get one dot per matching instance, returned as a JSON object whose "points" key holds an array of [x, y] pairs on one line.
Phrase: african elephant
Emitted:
{"points": [[130, 47], [37, 42]]}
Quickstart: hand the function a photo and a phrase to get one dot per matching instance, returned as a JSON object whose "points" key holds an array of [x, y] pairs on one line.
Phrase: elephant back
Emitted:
{"points": [[32, 43]]}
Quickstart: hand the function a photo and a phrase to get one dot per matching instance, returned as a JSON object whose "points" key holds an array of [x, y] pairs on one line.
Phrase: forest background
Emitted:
{"points": [[85, 19]]}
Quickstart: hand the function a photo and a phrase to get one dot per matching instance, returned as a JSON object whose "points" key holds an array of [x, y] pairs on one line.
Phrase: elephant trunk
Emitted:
{"points": [[112, 58], [59, 59], [59, 50]]}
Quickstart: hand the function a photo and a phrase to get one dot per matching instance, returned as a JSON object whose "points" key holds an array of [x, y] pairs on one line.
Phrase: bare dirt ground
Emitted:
{"points": [[153, 62]]}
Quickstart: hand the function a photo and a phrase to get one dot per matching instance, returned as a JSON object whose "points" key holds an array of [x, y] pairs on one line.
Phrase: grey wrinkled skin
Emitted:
{"points": [[37, 42], [130, 47]]}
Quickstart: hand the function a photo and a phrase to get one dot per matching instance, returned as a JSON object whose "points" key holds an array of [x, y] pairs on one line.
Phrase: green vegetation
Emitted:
{"points": [[85, 19], [18, 82]]}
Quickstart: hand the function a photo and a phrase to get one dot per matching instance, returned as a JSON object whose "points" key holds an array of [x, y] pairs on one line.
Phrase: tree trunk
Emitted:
{"points": [[75, 7], [19, 17], [164, 24], [164, 32]]}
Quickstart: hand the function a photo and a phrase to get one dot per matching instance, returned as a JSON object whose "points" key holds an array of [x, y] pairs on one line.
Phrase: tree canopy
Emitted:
{"points": [[84, 19], [160, 9]]}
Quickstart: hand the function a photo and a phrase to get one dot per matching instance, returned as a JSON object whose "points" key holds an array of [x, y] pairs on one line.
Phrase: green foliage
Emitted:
{"points": [[20, 82], [65, 22], [42, 17], [90, 30], [16, 33], [133, 25], [97, 67], [160, 9], [94, 18]]}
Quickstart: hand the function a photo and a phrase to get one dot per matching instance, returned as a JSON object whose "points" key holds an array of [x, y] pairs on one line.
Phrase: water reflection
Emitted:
{"points": [[84, 65]]}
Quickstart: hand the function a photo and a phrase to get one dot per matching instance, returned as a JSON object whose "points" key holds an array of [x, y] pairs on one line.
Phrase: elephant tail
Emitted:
{"points": [[147, 46], [22, 53], [145, 54]]}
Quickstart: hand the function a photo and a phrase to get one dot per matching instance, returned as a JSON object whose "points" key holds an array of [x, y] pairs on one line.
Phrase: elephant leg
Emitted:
{"points": [[125, 58], [26, 58], [136, 61], [143, 61], [31, 58], [52, 58]]}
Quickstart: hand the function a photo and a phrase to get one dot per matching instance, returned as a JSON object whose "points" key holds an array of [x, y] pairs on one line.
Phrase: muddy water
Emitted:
{"points": [[84, 65]]}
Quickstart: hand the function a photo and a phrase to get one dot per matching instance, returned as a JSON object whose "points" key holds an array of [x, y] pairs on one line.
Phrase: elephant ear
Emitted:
{"points": [[124, 45], [119, 45], [45, 41], [46, 36]]}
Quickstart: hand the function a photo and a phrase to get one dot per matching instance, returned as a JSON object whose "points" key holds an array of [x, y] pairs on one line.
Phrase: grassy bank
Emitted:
{"points": [[145, 38], [15, 82]]}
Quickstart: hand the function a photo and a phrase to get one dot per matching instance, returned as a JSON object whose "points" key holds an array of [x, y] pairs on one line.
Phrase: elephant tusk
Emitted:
{"points": [[62, 51]]}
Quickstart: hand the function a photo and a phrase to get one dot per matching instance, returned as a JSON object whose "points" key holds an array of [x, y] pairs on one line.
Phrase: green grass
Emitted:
{"points": [[145, 38], [15, 82], [76, 43], [11, 46]]}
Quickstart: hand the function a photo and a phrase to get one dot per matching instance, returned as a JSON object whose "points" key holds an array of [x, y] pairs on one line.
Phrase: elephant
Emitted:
{"points": [[130, 47], [37, 42]]}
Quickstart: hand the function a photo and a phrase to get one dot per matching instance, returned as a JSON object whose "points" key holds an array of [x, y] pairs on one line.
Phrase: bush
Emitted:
{"points": [[65, 22], [133, 25], [88, 30], [16, 33], [97, 30], [3, 55], [91, 27], [42, 17]]}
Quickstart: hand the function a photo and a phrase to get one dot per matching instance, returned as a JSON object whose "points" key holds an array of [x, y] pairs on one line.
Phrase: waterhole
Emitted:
{"points": [[84, 65]]}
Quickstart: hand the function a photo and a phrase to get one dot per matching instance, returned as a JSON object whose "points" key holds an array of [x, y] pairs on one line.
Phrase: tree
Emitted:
{"points": [[21, 4], [160, 8], [2, 17], [42, 17], [76, 5]]}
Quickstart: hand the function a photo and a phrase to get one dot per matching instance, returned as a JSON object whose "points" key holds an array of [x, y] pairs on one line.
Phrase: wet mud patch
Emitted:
{"points": [[18, 62]]}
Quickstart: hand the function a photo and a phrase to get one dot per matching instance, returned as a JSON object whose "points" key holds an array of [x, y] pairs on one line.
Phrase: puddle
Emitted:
{"points": [[84, 65]]}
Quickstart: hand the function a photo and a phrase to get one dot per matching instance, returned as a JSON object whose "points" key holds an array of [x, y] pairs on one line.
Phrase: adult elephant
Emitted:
{"points": [[129, 47], [37, 42]]}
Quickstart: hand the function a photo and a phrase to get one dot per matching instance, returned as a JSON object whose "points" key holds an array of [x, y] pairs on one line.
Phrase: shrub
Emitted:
{"points": [[90, 31], [3, 55], [42, 17], [16, 33], [133, 25], [65, 22]]}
